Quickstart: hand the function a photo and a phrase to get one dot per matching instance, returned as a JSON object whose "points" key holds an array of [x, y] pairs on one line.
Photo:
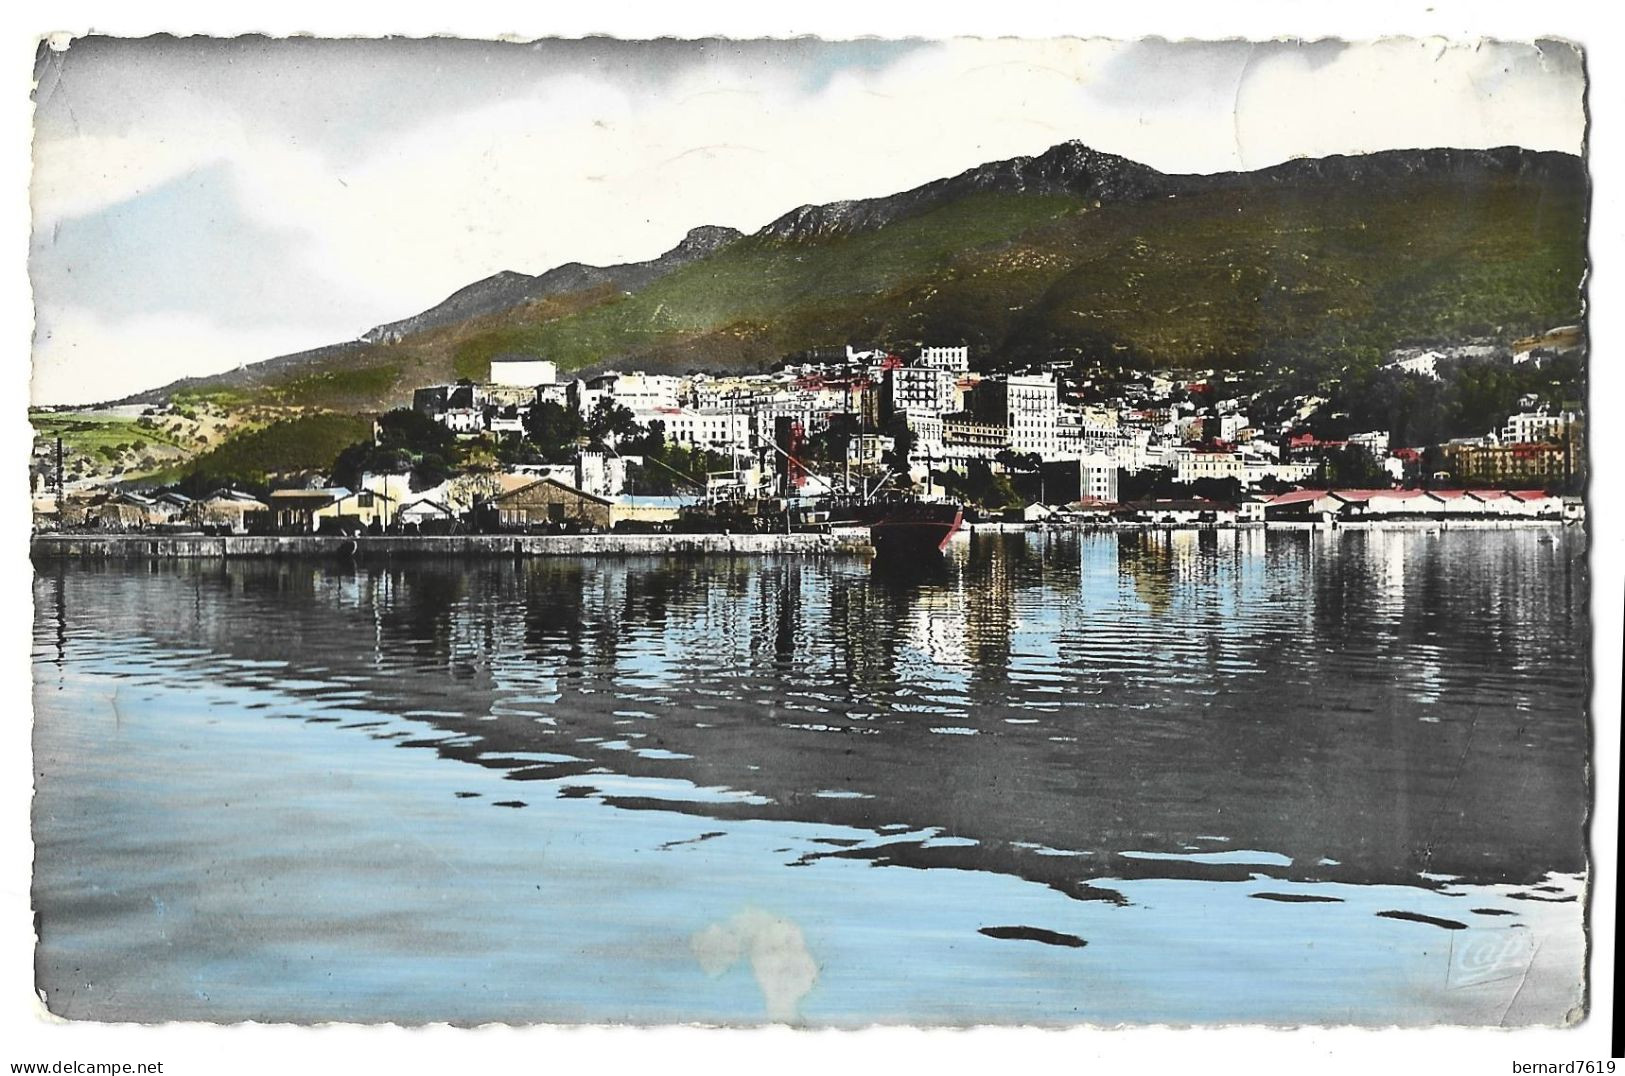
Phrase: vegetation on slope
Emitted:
{"points": [[1228, 278], [772, 292], [1302, 276], [88, 434], [254, 459], [1291, 276]]}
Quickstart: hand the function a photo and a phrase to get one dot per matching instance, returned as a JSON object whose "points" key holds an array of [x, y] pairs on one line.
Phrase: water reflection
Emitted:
{"points": [[1068, 709]]}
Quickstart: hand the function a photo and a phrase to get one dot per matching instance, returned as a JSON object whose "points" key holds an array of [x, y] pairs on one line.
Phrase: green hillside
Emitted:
{"points": [[251, 459], [1305, 272], [774, 294], [1230, 278], [1278, 277]]}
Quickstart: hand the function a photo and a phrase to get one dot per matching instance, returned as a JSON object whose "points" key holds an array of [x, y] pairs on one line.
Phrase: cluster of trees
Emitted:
{"points": [[667, 469], [1157, 483], [979, 486], [404, 441], [554, 432], [250, 461], [1469, 399]]}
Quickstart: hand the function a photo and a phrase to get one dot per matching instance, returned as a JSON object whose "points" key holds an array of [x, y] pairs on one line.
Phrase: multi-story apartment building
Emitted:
{"points": [[1524, 465], [966, 437], [717, 431], [636, 391], [953, 360], [1229, 426], [1192, 464], [1537, 426], [1027, 406], [1375, 443], [928, 431], [918, 389]]}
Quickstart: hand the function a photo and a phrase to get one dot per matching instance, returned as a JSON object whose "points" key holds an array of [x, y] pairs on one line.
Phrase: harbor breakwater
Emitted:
{"points": [[149, 545]]}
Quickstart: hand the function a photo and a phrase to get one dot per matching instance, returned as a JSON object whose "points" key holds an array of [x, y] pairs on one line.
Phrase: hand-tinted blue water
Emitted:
{"points": [[1187, 777]]}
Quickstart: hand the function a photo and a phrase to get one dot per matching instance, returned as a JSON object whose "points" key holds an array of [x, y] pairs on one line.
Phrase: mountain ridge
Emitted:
{"points": [[508, 288], [828, 271], [1075, 168]]}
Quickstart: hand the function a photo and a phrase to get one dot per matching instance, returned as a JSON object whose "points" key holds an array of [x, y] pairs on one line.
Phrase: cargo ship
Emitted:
{"points": [[900, 530]]}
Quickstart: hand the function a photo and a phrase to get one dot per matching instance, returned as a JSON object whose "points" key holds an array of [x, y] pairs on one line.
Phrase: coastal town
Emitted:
{"points": [[1066, 444], [723, 527]]}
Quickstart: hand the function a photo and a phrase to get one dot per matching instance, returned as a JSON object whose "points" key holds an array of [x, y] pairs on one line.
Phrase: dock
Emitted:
{"points": [[178, 546]]}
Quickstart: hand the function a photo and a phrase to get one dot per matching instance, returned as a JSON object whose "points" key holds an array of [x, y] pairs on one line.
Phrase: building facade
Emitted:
{"points": [[548, 504], [1531, 464], [954, 360], [918, 389], [523, 372], [1028, 406]]}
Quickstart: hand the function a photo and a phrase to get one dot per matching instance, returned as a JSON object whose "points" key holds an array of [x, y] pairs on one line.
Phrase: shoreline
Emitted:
{"points": [[126, 546], [1278, 525], [133, 545]]}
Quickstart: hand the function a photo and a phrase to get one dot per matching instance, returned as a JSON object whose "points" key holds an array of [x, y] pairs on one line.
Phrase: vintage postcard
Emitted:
{"points": [[931, 532]]}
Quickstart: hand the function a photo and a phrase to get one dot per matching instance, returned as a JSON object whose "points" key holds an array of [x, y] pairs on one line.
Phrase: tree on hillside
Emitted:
{"points": [[1018, 461], [514, 448], [610, 421], [555, 430], [903, 439], [646, 441], [404, 441], [1353, 467], [1149, 483], [414, 431], [669, 469]]}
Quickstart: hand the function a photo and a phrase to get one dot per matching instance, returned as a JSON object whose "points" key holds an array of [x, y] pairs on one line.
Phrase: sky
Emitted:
{"points": [[203, 203]]}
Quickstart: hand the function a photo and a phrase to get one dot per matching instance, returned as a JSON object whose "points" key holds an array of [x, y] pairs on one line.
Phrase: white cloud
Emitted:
{"points": [[84, 358], [1400, 93]]}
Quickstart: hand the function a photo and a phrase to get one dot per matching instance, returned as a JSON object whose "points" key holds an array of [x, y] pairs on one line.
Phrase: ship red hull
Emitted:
{"points": [[914, 530]]}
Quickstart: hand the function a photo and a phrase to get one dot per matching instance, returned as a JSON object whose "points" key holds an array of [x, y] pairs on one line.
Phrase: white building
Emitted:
{"points": [[1079, 433], [717, 431], [1292, 474], [462, 419], [953, 360], [1535, 426], [1230, 426], [1375, 442], [1192, 464], [1424, 365], [636, 391], [523, 372], [1028, 406], [966, 438], [923, 389], [927, 430], [1087, 478], [601, 475]]}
